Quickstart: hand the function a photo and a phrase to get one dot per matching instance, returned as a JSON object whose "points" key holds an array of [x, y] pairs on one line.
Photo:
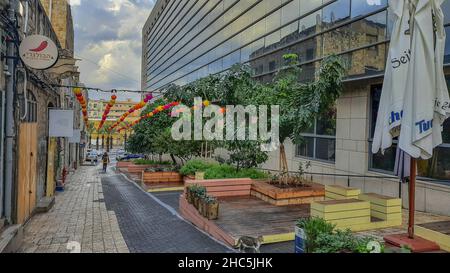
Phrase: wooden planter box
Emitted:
{"points": [[138, 169], [224, 187], [188, 177], [161, 177], [289, 196], [123, 165]]}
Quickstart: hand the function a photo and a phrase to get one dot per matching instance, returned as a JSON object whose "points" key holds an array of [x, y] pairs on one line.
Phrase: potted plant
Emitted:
{"points": [[212, 208], [202, 209], [198, 195], [190, 192]]}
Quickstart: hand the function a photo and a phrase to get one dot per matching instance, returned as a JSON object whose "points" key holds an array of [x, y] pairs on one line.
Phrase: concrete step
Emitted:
{"points": [[45, 204], [11, 239]]}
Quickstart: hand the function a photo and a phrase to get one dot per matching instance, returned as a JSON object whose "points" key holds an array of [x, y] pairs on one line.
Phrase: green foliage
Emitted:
{"points": [[193, 166], [343, 241], [313, 227], [322, 237], [214, 170], [225, 171], [309, 101], [150, 162], [197, 190], [246, 154], [300, 104], [210, 199]]}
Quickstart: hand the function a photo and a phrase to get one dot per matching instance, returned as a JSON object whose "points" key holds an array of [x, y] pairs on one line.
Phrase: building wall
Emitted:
{"points": [[352, 156], [192, 39], [60, 14]]}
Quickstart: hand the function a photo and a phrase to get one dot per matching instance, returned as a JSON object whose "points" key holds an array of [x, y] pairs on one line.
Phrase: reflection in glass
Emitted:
{"points": [[306, 148], [310, 24], [362, 7], [326, 149], [309, 5], [337, 12]]}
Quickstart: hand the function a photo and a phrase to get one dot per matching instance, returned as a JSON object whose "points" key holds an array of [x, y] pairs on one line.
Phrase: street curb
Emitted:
{"points": [[176, 214]]}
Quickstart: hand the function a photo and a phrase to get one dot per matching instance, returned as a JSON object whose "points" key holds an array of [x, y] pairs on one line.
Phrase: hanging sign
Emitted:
{"points": [[38, 52], [60, 123]]}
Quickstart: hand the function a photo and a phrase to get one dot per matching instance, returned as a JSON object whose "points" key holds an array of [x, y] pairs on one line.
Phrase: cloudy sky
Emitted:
{"points": [[108, 40]]}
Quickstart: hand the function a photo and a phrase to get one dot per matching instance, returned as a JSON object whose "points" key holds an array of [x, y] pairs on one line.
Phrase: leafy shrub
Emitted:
{"points": [[193, 166], [225, 171], [219, 171], [314, 227], [150, 162], [197, 190], [166, 168], [344, 241], [321, 237]]}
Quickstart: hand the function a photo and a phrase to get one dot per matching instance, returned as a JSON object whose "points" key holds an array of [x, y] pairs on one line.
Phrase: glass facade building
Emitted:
{"points": [[184, 40], [193, 38]]}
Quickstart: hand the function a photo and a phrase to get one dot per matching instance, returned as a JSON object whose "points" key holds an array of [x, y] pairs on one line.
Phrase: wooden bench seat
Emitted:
{"points": [[336, 192], [384, 207]]}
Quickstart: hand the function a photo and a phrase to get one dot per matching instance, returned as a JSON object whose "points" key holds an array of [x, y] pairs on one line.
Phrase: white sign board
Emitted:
{"points": [[76, 138], [60, 123], [38, 52]]}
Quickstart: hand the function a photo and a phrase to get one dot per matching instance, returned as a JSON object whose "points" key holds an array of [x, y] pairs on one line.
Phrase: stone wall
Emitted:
{"points": [[61, 19]]}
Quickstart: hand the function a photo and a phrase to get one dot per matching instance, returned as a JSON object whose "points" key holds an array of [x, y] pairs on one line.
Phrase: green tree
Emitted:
{"points": [[301, 103]]}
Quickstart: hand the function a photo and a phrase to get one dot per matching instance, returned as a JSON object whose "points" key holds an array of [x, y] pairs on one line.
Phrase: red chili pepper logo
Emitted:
{"points": [[41, 47]]}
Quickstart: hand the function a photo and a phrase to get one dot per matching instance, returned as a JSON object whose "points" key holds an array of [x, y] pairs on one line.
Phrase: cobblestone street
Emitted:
{"points": [[79, 218], [105, 213]]}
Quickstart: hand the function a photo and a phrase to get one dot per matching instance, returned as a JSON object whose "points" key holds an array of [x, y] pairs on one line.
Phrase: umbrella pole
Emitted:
{"points": [[412, 197]]}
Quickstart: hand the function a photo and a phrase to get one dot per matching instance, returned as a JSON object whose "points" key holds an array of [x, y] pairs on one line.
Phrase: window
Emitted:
{"points": [[319, 141], [437, 168], [31, 108]]}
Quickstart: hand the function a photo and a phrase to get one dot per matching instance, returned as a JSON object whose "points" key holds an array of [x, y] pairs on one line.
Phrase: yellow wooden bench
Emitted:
{"points": [[344, 213], [336, 192], [384, 207]]}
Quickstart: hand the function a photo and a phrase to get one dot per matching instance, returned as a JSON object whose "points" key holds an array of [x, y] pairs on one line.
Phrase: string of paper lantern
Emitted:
{"points": [[150, 115], [133, 109], [110, 104], [158, 110], [79, 95]]}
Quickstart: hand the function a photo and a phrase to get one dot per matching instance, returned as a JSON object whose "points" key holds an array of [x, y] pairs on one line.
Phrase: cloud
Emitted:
{"points": [[108, 40]]}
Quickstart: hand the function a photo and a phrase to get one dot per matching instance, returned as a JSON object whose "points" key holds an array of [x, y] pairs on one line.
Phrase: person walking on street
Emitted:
{"points": [[105, 160]]}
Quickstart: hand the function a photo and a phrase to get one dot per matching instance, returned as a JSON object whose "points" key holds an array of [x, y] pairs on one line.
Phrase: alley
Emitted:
{"points": [[100, 213]]}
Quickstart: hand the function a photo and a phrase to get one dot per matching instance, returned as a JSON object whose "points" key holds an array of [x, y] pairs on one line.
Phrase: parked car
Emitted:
{"points": [[127, 156], [92, 156], [120, 156]]}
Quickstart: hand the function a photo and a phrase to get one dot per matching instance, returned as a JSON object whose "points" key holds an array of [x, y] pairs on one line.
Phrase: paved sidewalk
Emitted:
{"points": [[79, 219], [148, 227]]}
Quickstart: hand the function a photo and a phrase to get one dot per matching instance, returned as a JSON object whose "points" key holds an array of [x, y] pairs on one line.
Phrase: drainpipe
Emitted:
{"points": [[50, 7], [2, 136], [9, 124]]}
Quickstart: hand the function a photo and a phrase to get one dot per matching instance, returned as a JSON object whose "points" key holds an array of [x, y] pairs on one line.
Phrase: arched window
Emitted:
{"points": [[32, 108]]}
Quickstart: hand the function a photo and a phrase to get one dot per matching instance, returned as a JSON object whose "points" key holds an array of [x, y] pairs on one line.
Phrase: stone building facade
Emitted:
{"points": [[38, 166], [60, 14]]}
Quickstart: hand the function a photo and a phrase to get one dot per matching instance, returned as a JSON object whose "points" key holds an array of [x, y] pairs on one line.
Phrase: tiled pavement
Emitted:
{"points": [[79, 220], [129, 221], [171, 199], [149, 227]]}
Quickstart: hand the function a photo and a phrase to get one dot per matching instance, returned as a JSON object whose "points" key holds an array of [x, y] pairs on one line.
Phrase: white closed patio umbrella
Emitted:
{"points": [[391, 104], [424, 90]]}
